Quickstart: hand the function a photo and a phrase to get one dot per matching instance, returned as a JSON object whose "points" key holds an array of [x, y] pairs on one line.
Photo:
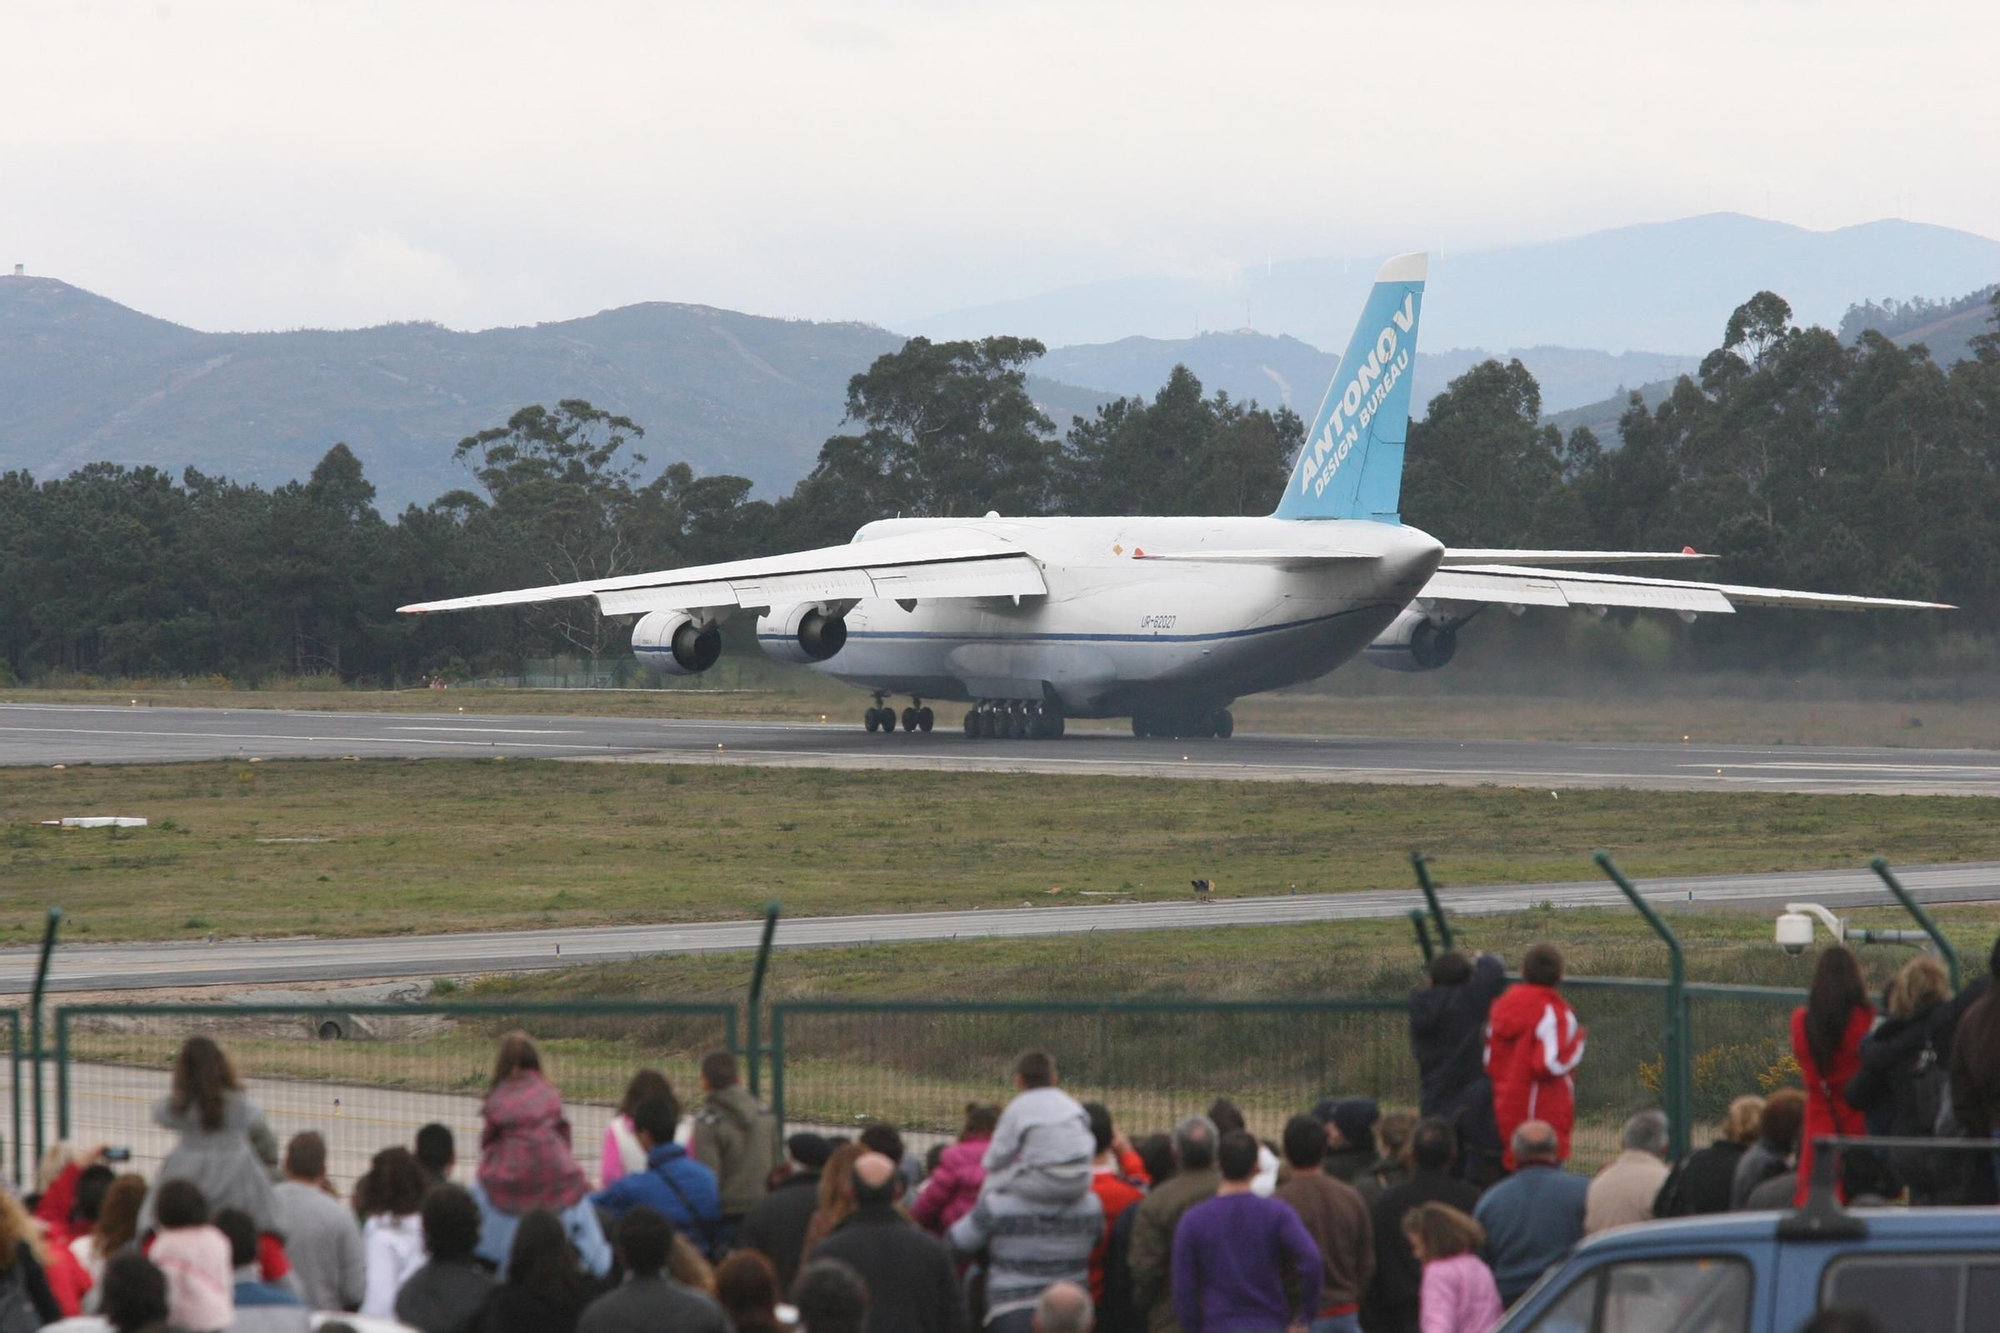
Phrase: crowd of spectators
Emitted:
{"points": [[1042, 1217]]}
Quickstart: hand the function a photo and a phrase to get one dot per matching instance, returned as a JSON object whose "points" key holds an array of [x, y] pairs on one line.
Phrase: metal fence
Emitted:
{"points": [[367, 1076], [838, 1065]]}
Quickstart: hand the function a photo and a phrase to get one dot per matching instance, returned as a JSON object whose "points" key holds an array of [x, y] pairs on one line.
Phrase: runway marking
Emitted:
{"points": [[498, 731], [273, 736], [1981, 770]]}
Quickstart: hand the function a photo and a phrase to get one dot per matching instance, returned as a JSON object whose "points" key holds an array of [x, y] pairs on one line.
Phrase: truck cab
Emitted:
{"points": [[1935, 1269]]}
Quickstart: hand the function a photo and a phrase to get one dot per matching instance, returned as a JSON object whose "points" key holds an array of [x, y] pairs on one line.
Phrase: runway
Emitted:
{"points": [[37, 734], [261, 962]]}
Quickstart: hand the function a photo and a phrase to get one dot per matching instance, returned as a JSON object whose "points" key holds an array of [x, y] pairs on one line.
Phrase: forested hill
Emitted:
{"points": [[1282, 371], [1945, 328], [84, 379]]}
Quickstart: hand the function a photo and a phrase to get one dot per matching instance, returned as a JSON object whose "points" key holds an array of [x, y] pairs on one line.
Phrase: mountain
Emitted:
{"points": [[84, 379], [1667, 286], [1284, 370]]}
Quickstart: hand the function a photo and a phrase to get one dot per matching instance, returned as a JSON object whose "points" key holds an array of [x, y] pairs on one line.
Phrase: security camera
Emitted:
{"points": [[1795, 933]]}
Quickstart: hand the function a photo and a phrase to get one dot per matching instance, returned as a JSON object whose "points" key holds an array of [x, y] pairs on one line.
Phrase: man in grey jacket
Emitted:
{"points": [[321, 1237], [735, 1137]]}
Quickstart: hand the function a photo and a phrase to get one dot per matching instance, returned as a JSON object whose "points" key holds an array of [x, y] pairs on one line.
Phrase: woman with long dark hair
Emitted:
{"points": [[215, 1118], [389, 1198], [1826, 1040], [546, 1288]]}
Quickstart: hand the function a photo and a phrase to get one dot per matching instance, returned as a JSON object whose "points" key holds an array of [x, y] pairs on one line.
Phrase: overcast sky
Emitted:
{"points": [[277, 163]]}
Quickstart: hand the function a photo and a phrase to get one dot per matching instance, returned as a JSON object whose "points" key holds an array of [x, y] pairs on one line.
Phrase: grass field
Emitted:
{"points": [[381, 847], [803, 697]]}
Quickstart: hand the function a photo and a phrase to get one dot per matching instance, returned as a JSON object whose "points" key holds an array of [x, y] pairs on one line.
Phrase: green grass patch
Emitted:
{"points": [[384, 847]]}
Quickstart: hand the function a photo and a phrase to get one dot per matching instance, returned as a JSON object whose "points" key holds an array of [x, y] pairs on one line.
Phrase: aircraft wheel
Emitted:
{"points": [[925, 720], [1038, 726], [1222, 724], [1139, 727], [1018, 723], [1055, 726], [871, 720], [972, 724], [909, 719], [989, 724]]}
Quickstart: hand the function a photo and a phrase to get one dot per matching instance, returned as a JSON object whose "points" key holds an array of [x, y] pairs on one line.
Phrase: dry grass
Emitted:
{"points": [[386, 846]]}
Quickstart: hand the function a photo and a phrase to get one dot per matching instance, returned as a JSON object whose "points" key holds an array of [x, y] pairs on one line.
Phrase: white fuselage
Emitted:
{"points": [[1118, 634]]}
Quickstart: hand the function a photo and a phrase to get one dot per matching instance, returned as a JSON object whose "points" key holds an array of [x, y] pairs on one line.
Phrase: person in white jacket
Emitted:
{"points": [[1042, 1147], [390, 1200]]}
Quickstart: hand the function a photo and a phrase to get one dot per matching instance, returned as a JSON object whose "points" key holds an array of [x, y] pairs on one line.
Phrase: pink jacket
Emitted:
{"points": [[954, 1187], [201, 1282], [1458, 1296]]}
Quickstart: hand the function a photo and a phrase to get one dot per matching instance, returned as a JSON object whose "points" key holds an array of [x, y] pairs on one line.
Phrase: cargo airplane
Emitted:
{"points": [[1166, 621]]}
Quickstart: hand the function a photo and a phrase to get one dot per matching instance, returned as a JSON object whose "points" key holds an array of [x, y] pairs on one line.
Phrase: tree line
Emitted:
{"points": [[1797, 460]]}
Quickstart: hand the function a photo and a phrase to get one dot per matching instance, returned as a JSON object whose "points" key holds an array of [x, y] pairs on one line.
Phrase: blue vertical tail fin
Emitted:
{"points": [[1352, 462]]}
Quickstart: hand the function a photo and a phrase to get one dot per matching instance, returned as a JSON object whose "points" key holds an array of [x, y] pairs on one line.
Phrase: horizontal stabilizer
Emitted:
{"points": [[1457, 555]]}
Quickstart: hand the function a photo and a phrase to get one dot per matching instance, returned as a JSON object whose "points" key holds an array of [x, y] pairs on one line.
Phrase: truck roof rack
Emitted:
{"points": [[1823, 1217]]}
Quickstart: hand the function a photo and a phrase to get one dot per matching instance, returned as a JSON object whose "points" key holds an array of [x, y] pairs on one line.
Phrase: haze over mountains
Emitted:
{"points": [[1659, 287], [84, 379]]}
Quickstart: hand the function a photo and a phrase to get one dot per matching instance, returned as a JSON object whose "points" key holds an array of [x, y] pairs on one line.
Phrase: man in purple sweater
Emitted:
{"points": [[1233, 1254]]}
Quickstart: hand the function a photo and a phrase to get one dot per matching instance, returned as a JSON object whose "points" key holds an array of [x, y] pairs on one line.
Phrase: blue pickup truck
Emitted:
{"points": [[1925, 1270], [1936, 1270]]}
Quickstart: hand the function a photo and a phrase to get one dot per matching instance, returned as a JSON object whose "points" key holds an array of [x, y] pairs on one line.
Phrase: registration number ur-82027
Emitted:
{"points": [[1157, 622]]}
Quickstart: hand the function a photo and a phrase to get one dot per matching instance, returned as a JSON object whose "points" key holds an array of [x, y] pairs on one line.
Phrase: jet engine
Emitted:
{"points": [[1413, 642], [672, 643], [801, 633]]}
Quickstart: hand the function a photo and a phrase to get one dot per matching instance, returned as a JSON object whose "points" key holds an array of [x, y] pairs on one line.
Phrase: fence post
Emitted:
{"points": [[1880, 866], [756, 1052], [778, 1067], [14, 1062], [1421, 865], [1677, 1074], [1417, 920], [35, 1020]]}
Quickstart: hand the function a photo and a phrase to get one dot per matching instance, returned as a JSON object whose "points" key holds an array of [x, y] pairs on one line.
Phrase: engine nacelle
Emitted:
{"points": [[671, 643], [801, 633], [1413, 642]]}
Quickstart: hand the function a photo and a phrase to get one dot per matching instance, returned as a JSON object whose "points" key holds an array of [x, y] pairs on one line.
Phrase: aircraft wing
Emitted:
{"points": [[1523, 585], [947, 564]]}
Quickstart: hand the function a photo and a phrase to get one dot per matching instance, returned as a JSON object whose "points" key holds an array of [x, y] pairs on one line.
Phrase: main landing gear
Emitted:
{"points": [[883, 718], [1013, 720], [1185, 725]]}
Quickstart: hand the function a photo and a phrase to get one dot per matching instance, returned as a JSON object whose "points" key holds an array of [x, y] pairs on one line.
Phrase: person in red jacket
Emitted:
{"points": [[1826, 1040], [1533, 1045]]}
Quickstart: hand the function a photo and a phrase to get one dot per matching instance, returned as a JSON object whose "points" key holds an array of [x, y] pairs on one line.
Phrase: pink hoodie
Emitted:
{"points": [[1458, 1296], [954, 1187]]}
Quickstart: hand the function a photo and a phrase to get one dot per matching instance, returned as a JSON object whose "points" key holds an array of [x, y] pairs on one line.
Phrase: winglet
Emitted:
{"points": [[1352, 463]]}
